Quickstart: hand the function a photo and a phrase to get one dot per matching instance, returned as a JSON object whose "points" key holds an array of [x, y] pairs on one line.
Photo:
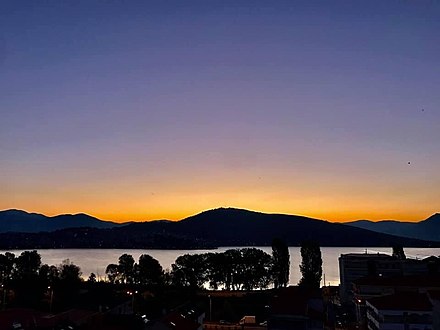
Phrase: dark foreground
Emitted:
{"points": [[108, 306]]}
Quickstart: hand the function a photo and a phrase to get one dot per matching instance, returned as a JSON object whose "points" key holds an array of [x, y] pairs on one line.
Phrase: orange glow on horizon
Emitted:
{"points": [[175, 195], [176, 215]]}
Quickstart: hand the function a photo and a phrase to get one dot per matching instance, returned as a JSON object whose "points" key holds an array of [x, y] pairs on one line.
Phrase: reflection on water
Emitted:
{"points": [[96, 260]]}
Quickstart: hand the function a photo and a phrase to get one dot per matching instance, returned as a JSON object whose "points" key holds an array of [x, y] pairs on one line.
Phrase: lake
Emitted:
{"points": [[96, 260]]}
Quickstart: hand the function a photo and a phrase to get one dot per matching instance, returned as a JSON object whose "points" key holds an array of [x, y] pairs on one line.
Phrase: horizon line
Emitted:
{"points": [[210, 209]]}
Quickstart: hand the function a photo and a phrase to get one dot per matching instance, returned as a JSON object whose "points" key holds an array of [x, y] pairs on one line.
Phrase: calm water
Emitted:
{"points": [[96, 260]]}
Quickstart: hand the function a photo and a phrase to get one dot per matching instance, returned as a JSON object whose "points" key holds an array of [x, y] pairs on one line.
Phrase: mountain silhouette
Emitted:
{"points": [[428, 229], [21, 221], [230, 226], [213, 228]]}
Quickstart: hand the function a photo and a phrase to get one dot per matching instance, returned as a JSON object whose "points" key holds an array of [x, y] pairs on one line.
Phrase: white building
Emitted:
{"points": [[354, 266]]}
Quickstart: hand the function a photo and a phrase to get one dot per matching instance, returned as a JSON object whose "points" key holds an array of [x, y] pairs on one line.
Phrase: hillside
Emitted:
{"points": [[228, 226], [214, 228], [428, 229], [21, 221]]}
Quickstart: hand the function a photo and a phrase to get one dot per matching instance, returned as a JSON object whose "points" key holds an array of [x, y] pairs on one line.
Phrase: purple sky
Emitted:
{"points": [[161, 109]]}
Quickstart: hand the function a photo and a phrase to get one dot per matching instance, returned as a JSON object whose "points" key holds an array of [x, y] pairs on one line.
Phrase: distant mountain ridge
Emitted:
{"points": [[209, 229], [428, 229], [22, 221]]}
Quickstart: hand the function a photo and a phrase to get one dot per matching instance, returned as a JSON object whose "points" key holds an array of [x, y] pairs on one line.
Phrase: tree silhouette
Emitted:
{"points": [[256, 269], [67, 289], [189, 270], [49, 275], [233, 263], [92, 278], [70, 273], [433, 264], [217, 269], [398, 252], [112, 272], [7, 261], [27, 285], [281, 263], [148, 271], [27, 265], [126, 265], [311, 265]]}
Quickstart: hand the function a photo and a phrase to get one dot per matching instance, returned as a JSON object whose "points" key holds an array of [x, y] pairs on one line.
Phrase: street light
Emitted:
{"points": [[4, 296], [210, 308], [50, 299], [132, 294]]}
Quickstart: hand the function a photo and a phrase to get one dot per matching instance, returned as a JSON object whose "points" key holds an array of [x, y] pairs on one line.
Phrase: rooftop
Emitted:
{"points": [[407, 301], [422, 280], [294, 300], [366, 255]]}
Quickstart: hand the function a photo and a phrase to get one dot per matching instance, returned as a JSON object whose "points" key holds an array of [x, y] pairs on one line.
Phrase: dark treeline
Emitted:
{"points": [[234, 269], [26, 281], [30, 281]]}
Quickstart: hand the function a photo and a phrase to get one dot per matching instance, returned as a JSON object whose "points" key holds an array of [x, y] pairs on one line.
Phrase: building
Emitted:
{"points": [[372, 287], [434, 296], [355, 266], [296, 308], [400, 311]]}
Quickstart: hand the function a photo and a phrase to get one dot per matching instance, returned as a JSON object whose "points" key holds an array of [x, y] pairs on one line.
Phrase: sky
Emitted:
{"points": [[141, 110]]}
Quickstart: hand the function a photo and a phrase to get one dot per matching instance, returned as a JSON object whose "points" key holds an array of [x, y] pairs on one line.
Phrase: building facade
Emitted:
{"points": [[404, 311]]}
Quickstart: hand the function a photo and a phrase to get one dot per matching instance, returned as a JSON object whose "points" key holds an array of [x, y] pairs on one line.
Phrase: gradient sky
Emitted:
{"points": [[138, 110]]}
